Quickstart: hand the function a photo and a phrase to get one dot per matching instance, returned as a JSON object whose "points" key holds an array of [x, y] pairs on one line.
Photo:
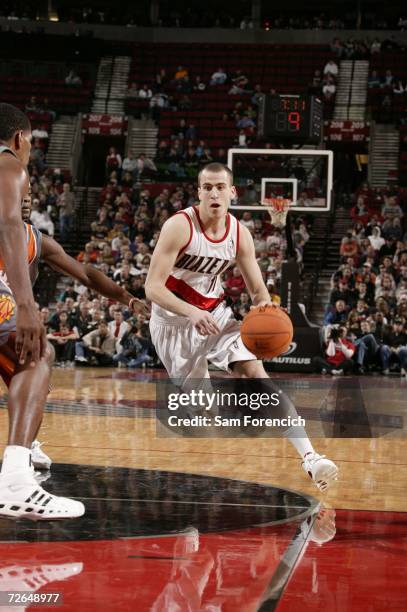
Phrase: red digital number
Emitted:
{"points": [[294, 121]]}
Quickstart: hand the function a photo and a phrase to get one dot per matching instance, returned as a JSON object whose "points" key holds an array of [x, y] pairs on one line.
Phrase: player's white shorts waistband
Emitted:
{"points": [[164, 317]]}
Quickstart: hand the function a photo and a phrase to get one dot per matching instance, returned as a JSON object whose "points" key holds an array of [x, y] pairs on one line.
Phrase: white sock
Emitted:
{"points": [[16, 459], [301, 444]]}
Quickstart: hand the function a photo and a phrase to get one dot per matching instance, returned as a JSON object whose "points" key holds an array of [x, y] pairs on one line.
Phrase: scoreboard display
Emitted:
{"points": [[297, 118]]}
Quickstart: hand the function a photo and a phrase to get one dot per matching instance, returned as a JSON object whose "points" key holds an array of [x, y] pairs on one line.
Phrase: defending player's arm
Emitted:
{"points": [[30, 334], [248, 266], [173, 237], [54, 255]]}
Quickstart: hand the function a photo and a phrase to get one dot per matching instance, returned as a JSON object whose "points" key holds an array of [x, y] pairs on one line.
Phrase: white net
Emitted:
{"points": [[278, 209]]}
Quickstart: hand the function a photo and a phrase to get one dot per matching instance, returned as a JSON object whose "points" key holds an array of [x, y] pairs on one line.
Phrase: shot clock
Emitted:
{"points": [[295, 118]]}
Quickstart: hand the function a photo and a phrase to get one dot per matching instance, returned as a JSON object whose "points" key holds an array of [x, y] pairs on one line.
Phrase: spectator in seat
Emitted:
{"points": [[337, 314], [137, 288], [113, 161], [98, 347], [118, 327], [329, 86], [66, 205], [392, 229], [245, 123], [134, 349], [181, 74], [349, 247], [60, 315], [44, 316], [129, 164], [40, 132], [340, 292], [219, 77], [83, 320], [235, 284], [63, 342], [40, 218], [337, 48], [242, 305], [376, 239], [394, 348], [145, 92], [331, 68], [367, 347], [37, 156], [69, 292], [365, 293], [157, 102], [90, 252], [247, 220], [360, 212], [388, 248], [145, 166], [391, 209], [240, 83], [338, 354]]}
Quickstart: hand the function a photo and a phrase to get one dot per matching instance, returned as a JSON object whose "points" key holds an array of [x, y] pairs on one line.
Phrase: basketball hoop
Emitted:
{"points": [[278, 209]]}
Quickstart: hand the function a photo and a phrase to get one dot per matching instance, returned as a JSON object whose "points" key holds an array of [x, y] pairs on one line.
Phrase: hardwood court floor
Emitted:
{"points": [[105, 417]]}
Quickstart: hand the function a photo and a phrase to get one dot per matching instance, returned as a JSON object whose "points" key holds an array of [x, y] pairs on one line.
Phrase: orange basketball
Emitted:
{"points": [[267, 331]]}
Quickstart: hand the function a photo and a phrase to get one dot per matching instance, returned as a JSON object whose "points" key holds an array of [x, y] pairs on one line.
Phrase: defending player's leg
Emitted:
{"points": [[322, 470], [20, 494], [8, 365]]}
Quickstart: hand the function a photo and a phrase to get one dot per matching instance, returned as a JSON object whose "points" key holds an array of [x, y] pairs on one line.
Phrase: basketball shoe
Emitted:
{"points": [[319, 527], [39, 459], [22, 497], [320, 469]]}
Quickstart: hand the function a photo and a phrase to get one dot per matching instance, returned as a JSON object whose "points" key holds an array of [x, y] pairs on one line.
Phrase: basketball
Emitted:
{"points": [[267, 331]]}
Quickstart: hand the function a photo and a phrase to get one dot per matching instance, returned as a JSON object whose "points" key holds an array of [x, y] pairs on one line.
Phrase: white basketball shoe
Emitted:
{"points": [[22, 497], [39, 459], [322, 470], [31, 576]]}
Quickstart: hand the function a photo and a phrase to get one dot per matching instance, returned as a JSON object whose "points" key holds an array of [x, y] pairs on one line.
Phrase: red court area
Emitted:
{"points": [[362, 568]]}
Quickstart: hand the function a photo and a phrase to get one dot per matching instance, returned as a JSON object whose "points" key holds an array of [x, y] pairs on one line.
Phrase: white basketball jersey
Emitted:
{"points": [[195, 277]]}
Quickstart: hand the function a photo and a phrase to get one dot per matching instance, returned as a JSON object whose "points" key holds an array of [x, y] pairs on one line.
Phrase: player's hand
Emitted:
{"points": [[204, 322], [137, 306], [31, 339], [265, 303]]}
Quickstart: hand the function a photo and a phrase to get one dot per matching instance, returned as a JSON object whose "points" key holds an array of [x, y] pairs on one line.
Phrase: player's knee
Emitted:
{"points": [[249, 369]]}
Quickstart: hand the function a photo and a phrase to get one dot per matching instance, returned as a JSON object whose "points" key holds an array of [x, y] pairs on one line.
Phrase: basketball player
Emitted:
{"points": [[54, 255], [25, 354], [190, 323]]}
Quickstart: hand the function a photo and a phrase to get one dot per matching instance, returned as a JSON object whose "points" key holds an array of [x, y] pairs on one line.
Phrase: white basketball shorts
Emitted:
{"points": [[185, 353]]}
